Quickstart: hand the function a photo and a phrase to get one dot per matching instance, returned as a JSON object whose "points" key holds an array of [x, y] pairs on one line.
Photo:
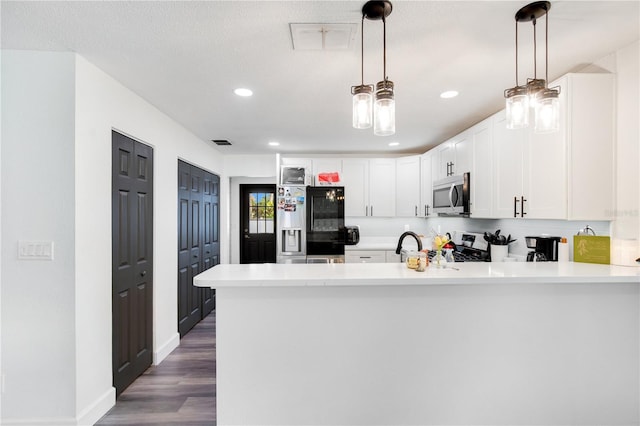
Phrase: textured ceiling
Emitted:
{"points": [[187, 57]]}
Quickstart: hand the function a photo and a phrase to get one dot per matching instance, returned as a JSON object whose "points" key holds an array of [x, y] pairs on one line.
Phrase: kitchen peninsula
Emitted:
{"points": [[486, 343]]}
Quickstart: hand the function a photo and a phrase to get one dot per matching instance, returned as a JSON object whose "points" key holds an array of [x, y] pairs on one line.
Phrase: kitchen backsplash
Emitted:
{"points": [[518, 228]]}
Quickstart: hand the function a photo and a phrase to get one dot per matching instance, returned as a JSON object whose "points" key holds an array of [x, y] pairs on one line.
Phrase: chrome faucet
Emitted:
{"points": [[414, 235]]}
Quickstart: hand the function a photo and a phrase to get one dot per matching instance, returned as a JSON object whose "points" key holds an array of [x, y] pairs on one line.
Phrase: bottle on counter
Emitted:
{"points": [[563, 250], [423, 262]]}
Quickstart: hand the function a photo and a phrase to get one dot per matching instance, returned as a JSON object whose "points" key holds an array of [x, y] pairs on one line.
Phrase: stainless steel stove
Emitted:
{"points": [[472, 248]]}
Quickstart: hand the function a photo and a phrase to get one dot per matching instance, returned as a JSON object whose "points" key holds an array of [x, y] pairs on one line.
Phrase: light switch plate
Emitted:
{"points": [[35, 250]]}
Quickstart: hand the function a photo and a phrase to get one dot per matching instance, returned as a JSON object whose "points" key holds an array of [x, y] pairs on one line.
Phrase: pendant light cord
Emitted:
{"points": [[546, 49], [535, 51], [384, 48], [362, 52], [516, 52]]}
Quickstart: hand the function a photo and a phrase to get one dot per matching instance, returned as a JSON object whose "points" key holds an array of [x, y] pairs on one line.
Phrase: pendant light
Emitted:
{"points": [[536, 94], [384, 107], [362, 94], [517, 104]]}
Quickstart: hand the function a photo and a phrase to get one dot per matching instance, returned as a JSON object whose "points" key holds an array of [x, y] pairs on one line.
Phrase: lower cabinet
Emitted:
{"points": [[365, 256], [371, 256]]}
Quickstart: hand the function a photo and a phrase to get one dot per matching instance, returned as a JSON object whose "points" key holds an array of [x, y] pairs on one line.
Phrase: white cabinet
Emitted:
{"points": [[369, 186], [382, 186], [408, 188], [371, 256], [563, 175], [529, 173], [365, 256], [327, 165], [355, 175], [454, 156], [391, 256], [426, 184], [481, 175], [590, 147]]}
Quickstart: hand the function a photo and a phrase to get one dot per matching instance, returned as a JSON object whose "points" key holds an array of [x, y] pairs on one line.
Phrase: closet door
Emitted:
{"points": [[132, 259], [211, 243], [198, 241]]}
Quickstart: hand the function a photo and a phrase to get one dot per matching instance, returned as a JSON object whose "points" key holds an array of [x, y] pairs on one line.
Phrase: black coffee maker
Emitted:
{"points": [[545, 248]]}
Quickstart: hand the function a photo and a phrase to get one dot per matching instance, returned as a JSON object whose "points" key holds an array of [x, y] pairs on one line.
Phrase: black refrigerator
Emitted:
{"points": [[325, 224]]}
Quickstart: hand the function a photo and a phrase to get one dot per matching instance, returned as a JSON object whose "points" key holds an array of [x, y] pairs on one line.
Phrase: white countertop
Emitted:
{"points": [[372, 274]]}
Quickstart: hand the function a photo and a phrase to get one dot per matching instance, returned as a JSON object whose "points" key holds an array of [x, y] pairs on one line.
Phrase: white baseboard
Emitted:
{"points": [[164, 350], [58, 421], [97, 409]]}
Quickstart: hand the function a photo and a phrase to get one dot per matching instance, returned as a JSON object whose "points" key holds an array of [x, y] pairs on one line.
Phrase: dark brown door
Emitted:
{"points": [[257, 224], [132, 241], [198, 241], [211, 238]]}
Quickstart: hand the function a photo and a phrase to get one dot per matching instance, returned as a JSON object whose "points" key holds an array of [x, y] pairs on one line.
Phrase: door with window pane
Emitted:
{"points": [[257, 224]]}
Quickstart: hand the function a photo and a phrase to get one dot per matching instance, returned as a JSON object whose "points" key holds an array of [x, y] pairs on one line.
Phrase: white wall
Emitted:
{"points": [[627, 222], [56, 150], [38, 297], [244, 169], [103, 104]]}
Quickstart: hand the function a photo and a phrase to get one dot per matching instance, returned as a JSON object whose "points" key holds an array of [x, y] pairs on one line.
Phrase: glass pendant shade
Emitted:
{"points": [[362, 106], [535, 86], [517, 107], [384, 113], [547, 112]]}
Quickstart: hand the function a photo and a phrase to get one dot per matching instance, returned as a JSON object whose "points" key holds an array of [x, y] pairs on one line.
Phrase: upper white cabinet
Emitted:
{"points": [[563, 175], [590, 146], [481, 136], [327, 166], [355, 175], [529, 173], [408, 190], [454, 156], [382, 178], [426, 184], [369, 186]]}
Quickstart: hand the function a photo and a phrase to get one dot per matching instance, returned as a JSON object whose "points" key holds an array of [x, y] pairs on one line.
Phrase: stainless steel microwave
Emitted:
{"points": [[452, 195]]}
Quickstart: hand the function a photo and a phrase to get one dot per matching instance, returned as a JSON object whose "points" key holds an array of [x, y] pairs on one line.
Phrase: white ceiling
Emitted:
{"points": [[187, 57]]}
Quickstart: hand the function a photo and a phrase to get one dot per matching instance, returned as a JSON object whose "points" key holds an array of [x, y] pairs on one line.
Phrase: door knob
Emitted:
{"points": [[143, 273]]}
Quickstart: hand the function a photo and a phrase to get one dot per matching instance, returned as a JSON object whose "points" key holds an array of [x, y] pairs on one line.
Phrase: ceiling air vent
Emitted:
{"points": [[221, 142], [322, 36]]}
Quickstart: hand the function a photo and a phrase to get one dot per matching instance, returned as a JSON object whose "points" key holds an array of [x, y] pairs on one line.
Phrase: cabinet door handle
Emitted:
{"points": [[416, 210], [427, 210], [522, 212], [371, 210], [366, 210], [515, 206]]}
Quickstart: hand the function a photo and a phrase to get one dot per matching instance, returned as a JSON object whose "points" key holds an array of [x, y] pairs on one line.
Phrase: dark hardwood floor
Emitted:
{"points": [[179, 391]]}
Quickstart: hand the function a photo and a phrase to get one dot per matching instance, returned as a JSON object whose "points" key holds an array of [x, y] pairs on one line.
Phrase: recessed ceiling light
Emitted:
{"points": [[241, 91], [394, 143], [449, 94], [274, 143]]}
